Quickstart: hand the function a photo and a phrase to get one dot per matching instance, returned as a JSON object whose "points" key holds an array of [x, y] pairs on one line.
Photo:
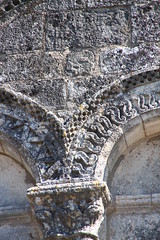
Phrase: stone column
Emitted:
{"points": [[70, 210]]}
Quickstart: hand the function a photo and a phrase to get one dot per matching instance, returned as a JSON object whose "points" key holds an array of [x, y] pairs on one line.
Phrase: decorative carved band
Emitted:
{"points": [[100, 127], [36, 130]]}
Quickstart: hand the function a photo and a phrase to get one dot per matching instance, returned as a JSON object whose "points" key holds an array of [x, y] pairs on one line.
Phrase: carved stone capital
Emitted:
{"points": [[70, 210]]}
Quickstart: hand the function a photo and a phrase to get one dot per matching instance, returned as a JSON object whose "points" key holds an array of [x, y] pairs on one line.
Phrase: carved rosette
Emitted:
{"points": [[70, 210]]}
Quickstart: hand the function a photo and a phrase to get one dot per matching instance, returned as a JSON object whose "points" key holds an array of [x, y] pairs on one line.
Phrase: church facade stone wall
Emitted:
{"points": [[80, 112]]}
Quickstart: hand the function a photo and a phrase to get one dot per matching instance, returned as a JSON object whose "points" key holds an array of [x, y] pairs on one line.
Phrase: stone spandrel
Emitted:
{"points": [[145, 20], [50, 92], [22, 34], [86, 29]]}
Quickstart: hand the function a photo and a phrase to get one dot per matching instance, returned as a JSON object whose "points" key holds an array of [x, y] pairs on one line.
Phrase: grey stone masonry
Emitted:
{"points": [[79, 89], [145, 21], [86, 29]]}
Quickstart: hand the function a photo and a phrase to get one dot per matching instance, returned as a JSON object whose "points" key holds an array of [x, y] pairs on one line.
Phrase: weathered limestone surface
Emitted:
{"points": [[15, 215], [40, 39], [80, 84], [29, 66], [80, 63], [22, 34], [86, 29], [138, 173], [145, 22], [74, 210], [127, 60], [133, 226]]}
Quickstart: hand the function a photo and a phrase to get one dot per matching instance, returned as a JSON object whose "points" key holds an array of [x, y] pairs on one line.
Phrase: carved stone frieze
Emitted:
{"points": [[127, 60], [71, 210]]}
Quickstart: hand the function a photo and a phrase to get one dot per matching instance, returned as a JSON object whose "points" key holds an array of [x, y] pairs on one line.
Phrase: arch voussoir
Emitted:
{"points": [[36, 132]]}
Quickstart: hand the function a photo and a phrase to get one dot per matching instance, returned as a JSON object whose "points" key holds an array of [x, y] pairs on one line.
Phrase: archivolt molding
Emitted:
{"points": [[87, 109], [38, 131], [105, 121], [140, 79], [71, 149]]}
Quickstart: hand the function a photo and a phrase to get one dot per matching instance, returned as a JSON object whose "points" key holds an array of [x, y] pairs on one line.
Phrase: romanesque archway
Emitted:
{"points": [[86, 92]]}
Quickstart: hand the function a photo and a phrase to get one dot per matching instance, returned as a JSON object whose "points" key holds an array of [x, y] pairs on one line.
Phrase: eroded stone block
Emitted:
{"points": [[126, 60], [29, 66], [86, 29], [55, 5], [145, 22], [135, 227], [59, 5], [22, 34], [104, 3], [51, 92]]}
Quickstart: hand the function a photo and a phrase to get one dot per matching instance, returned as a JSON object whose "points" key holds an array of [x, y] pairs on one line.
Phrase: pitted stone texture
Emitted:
{"points": [[104, 3], [80, 63], [18, 230], [81, 89], [7, 6], [145, 22], [22, 34], [135, 226], [86, 29], [60, 5], [13, 188], [51, 92], [111, 3], [138, 171], [124, 60], [29, 67]]}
